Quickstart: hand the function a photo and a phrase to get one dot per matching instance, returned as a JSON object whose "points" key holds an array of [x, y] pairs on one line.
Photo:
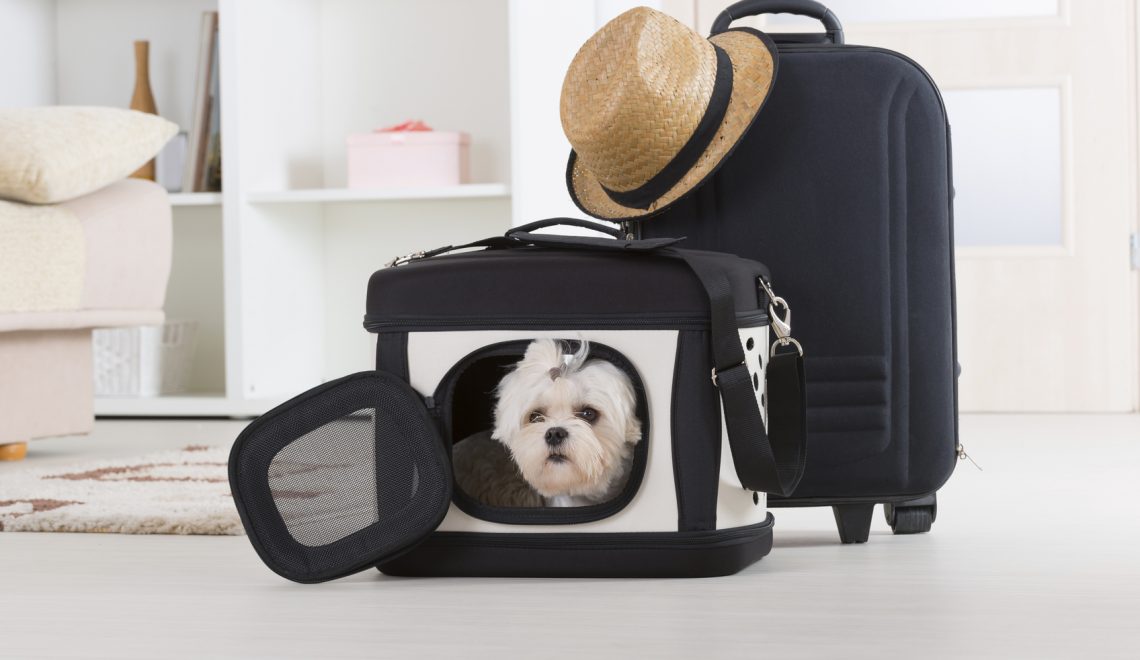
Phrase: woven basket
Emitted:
{"points": [[144, 360]]}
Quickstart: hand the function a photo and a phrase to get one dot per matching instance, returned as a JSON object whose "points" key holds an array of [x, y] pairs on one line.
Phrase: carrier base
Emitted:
{"points": [[588, 555]]}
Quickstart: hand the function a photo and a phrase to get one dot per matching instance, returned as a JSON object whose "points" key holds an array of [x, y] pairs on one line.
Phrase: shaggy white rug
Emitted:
{"points": [[177, 492]]}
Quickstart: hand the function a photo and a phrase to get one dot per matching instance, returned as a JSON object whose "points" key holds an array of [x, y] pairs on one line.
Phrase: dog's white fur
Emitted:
{"points": [[593, 463], [549, 389]]}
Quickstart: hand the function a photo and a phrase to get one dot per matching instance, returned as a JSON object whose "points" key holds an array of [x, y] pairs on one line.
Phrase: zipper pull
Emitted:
{"points": [[407, 258], [963, 456]]}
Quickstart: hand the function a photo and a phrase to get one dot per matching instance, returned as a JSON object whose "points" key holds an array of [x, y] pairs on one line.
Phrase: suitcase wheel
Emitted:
{"points": [[853, 521], [913, 517]]}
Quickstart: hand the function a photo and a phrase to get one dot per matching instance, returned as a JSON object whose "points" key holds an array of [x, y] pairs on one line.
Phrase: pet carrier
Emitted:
{"points": [[358, 471]]}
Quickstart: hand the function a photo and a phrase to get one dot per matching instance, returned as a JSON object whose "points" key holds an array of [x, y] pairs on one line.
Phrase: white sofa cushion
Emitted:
{"points": [[42, 258], [53, 154], [101, 259]]}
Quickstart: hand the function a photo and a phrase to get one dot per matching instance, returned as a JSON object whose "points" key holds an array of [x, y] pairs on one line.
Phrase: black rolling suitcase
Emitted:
{"points": [[844, 190]]}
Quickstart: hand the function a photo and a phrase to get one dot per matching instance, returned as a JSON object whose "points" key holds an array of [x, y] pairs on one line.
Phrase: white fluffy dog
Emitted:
{"points": [[565, 430]]}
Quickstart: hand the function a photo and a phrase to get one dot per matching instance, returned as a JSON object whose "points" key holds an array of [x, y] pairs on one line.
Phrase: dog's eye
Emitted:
{"points": [[535, 416], [588, 415]]}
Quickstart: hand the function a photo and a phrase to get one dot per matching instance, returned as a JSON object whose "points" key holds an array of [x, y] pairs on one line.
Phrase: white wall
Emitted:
{"points": [[96, 52], [539, 58], [28, 27]]}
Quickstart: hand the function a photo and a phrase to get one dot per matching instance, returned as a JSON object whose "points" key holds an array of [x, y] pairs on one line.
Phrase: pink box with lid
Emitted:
{"points": [[407, 158]]}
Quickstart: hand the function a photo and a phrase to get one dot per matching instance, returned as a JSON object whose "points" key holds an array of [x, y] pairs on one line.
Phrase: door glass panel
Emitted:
{"points": [[1007, 165]]}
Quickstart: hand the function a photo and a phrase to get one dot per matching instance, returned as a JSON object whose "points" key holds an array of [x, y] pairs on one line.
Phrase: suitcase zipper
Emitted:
{"points": [[963, 456]]}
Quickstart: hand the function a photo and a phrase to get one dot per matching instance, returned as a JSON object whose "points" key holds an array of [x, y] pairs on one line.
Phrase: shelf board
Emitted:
{"points": [[181, 405], [319, 195], [195, 199]]}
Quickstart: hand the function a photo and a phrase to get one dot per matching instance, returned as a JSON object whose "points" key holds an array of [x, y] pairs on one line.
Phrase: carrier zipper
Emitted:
{"points": [[556, 322]]}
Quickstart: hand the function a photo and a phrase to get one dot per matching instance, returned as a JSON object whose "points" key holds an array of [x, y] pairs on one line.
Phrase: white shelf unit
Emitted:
{"points": [[195, 199], [464, 191], [275, 267]]}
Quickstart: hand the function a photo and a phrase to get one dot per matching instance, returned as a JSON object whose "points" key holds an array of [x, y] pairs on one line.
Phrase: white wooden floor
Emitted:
{"points": [[1035, 557]]}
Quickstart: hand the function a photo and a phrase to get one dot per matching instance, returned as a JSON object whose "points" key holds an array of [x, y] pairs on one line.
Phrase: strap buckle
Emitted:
{"points": [[781, 325], [715, 372]]}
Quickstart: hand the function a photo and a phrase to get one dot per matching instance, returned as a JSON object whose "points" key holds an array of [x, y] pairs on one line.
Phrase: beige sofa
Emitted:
{"points": [[96, 261]]}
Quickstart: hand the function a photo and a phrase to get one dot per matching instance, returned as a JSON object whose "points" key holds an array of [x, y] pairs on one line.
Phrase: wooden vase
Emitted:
{"points": [[143, 99]]}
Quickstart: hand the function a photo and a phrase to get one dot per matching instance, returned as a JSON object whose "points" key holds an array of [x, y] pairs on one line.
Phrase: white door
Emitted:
{"points": [[1041, 96]]}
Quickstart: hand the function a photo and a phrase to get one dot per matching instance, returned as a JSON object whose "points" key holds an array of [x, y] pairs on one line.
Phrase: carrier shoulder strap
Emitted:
{"points": [[772, 460]]}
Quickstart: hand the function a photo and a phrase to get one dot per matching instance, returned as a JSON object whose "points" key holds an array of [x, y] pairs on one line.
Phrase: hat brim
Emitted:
{"points": [[754, 64]]}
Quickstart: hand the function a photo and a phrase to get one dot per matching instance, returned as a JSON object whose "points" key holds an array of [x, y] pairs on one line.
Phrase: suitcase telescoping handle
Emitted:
{"points": [[810, 8]]}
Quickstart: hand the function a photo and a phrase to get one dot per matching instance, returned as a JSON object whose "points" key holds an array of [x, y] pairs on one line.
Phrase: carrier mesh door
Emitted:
{"points": [[341, 477]]}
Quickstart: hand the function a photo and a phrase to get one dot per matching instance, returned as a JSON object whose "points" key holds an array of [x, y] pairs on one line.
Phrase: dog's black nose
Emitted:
{"points": [[555, 435]]}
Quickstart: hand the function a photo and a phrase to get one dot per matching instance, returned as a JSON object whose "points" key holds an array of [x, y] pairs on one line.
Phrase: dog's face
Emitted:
{"points": [[570, 424]]}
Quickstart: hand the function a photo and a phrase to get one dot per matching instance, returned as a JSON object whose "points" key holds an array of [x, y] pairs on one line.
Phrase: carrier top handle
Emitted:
{"points": [[565, 222], [809, 8], [524, 236]]}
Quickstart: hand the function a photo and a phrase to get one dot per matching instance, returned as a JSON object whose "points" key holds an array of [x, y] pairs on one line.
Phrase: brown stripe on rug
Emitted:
{"points": [[178, 492]]}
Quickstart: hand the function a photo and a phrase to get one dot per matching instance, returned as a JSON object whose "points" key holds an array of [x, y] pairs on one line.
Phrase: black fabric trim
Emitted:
{"points": [[696, 433], [525, 282], [445, 392], [392, 353], [587, 555], [643, 196]]}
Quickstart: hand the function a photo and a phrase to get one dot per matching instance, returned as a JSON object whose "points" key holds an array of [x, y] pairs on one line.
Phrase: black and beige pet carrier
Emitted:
{"points": [[357, 472]]}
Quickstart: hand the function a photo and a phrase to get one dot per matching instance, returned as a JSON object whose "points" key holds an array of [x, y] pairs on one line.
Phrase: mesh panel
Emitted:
{"points": [[324, 483], [340, 476]]}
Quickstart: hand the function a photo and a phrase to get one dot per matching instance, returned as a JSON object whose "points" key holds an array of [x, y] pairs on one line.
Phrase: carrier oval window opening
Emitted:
{"points": [[544, 431]]}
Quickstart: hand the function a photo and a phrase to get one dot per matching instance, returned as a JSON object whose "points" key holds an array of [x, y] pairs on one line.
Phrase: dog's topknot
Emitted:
{"points": [[558, 353]]}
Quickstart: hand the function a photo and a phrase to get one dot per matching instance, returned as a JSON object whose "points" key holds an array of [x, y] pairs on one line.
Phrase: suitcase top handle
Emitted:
{"points": [[808, 8]]}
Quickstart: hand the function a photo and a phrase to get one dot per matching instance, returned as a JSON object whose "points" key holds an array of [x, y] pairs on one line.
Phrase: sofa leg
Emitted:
{"points": [[13, 451]]}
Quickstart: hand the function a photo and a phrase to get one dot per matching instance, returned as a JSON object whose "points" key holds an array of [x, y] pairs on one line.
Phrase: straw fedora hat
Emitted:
{"points": [[651, 109]]}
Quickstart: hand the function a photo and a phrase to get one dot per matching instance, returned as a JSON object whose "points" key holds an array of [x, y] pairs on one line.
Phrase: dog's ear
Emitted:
{"points": [[507, 403], [516, 391], [632, 421], [627, 404], [633, 428]]}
